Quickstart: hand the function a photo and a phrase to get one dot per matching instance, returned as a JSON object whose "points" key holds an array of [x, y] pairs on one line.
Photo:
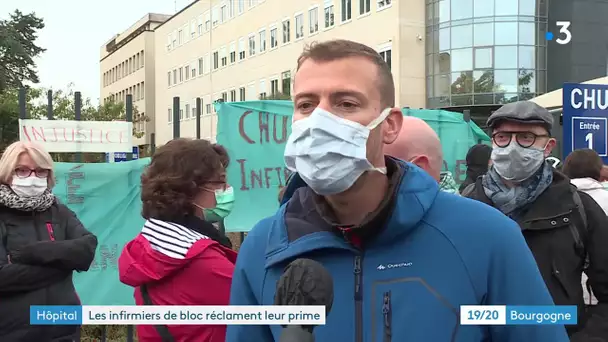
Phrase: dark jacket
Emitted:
{"points": [[477, 160], [38, 254], [546, 226]]}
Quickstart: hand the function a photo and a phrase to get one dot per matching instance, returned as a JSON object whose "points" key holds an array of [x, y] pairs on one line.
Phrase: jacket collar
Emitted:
{"points": [[298, 227]]}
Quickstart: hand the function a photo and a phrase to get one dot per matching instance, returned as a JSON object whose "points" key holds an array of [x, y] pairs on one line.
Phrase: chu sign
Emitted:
{"points": [[585, 117]]}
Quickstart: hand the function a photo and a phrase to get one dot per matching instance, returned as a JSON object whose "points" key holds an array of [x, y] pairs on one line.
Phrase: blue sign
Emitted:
{"points": [[122, 156], [585, 118]]}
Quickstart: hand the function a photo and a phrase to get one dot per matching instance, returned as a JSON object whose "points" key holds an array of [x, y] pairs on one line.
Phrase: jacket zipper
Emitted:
{"points": [[358, 298], [386, 312]]}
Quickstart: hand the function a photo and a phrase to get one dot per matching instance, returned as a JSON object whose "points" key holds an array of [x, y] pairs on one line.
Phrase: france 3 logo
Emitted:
{"points": [[564, 34]]}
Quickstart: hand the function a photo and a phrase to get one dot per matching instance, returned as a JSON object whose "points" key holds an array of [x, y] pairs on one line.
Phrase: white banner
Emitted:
{"points": [[78, 136]]}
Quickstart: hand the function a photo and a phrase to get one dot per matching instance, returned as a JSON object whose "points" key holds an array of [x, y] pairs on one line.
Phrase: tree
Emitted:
{"points": [[9, 114], [276, 96], [18, 50], [64, 105]]}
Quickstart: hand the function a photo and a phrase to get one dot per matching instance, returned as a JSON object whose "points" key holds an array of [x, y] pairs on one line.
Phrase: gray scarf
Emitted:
{"points": [[510, 200], [11, 200]]}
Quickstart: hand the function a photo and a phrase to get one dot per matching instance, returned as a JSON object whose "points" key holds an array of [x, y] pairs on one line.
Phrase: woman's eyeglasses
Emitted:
{"points": [[24, 172], [219, 185], [523, 139]]}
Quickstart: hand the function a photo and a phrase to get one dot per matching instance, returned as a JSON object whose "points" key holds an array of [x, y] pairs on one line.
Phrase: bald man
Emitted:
{"points": [[418, 143]]}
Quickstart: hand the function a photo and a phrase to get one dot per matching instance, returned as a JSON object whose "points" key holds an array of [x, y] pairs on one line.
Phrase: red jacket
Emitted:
{"points": [[180, 266]]}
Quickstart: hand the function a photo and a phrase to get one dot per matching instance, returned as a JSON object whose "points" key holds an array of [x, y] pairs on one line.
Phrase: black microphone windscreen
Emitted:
{"points": [[305, 282]]}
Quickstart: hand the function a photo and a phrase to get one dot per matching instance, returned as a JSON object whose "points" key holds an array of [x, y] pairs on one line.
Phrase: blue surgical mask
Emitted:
{"points": [[330, 152], [516, 163]]}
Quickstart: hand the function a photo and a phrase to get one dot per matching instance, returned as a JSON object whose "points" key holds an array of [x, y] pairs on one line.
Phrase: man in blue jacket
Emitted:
{"points": [[404, 256]]}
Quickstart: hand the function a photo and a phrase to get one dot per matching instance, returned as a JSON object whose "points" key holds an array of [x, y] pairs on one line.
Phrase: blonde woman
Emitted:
{"points": [[42, 243]]}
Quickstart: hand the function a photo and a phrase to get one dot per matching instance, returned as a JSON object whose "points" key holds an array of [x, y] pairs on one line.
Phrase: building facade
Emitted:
{"points": [[127, 67], [482, 52], [240, 50]]}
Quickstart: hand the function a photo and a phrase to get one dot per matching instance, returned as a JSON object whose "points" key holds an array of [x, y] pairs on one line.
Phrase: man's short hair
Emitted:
{"points": [[332, 50], [584, 163]]}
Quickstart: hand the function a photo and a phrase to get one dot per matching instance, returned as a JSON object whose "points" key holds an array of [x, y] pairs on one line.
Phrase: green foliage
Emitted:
{"points": [[64, 105], [18, 50], [9, 114]]}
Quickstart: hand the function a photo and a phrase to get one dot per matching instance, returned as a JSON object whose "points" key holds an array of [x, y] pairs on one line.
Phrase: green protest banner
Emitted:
{"points": [[106, 198], [255, 133]]}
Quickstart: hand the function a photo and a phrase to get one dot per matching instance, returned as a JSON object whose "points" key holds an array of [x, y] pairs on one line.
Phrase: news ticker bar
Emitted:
{"points": [[274, 315], [173, 314], [518, 315]]}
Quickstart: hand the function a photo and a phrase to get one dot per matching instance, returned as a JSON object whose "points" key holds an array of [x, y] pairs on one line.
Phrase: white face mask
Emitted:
{"points": [[29, 187], [330, 152]]}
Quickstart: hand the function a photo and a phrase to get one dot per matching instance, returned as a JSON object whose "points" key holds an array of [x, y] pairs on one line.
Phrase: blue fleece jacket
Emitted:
{"points": [[437, 252]]}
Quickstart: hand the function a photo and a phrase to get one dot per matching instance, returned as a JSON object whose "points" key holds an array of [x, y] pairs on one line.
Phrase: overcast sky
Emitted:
{"points": [[76, 29]]}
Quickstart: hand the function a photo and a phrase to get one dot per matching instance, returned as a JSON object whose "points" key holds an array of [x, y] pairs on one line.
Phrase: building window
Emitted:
{"points": [[231, 9], [169, 41], [143, 91], [192, 28], [200, 26], [223, 54], [174, 76], [299, 26], [233, 95], [286, 82], [251, 90], [225, 96], [262, 40], [383, 4], [207, 21], [262, 89], [346, 10], [180, 37], [386, 55], [193, 71], [241, 8], [252, 45], [242, 94], [232, 52], [169, 115], [274, 42], [223, 14], [181, 114], [274, 87], [141, 59], [216, 60], [329, 16], [241, 49], [187, 111], [215, 15], [286, 31], [313, 20], [194, 110], [364, 6], [208, 108], [187, 73], [181, 74], [169, 78]]}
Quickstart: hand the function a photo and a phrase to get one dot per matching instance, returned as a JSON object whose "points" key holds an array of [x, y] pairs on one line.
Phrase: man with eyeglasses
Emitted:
{"points": [[566, 229]]}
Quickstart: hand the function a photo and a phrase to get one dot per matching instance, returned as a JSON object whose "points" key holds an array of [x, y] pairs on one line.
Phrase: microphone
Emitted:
{"points": [[304, 282]]}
